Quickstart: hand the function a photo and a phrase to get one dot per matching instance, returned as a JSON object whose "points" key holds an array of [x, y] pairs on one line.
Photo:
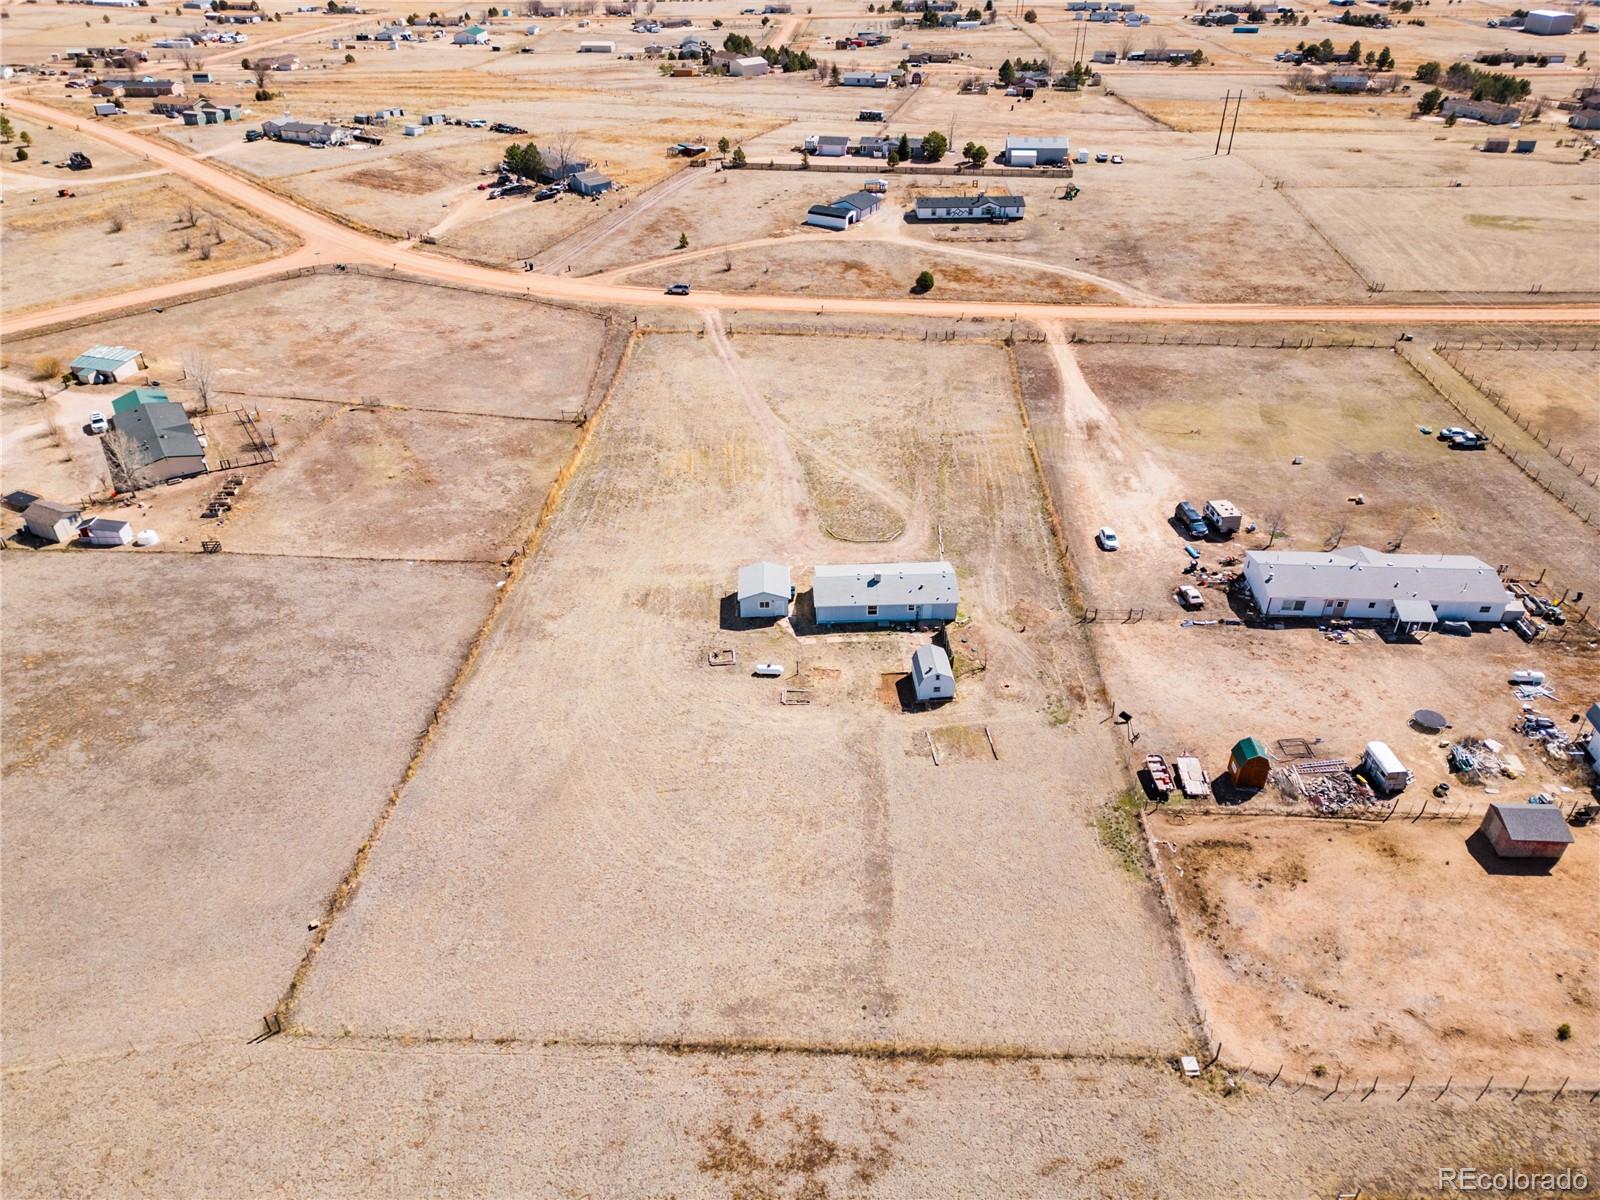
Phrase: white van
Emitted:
{"points": [[1384, 770]]}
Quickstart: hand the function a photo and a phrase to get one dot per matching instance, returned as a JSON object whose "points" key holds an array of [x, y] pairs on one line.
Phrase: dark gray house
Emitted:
{"points": [[154, 443]]}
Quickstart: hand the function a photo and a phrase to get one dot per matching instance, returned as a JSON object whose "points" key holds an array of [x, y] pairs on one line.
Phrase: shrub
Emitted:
{"points": [[22, 154], [1563, 1032], [924, 283], [47, 367]]}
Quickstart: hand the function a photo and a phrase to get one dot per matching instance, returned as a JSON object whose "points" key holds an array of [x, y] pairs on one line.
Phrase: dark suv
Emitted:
{"points": [[1189, 518]]}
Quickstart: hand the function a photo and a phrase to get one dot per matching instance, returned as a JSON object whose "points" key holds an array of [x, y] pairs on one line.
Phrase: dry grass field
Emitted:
{"points": [[1364, 949], [1555, 391], [189, 773], [845, 888], [432, 762], [124, 235]]}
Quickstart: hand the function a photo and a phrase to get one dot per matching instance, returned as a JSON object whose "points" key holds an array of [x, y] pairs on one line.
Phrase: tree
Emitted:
{"points": [[683, 241], [975, 154], [893, 160], [123, 457], [723, 145], [833, 74], [1030, 16], [526, 161], [905, 147], [717, 24], [1354, 52], [1583, 58], [349, 58], [261, 70], [924, 283], [199, 371], [934, 145], [1429, 101], [1197, 58], [22, 154], [6, 131], [25, 138], [1385, 60], [738, 159], [1008, 73]]}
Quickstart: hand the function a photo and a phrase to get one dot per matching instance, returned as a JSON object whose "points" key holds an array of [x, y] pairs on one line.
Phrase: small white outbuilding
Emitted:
{"points": [[764, 590], [931, 676]]}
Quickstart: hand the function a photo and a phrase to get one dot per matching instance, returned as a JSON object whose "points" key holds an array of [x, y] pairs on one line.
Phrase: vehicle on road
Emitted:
{"points": [[678, 289], [1106, 538], [97, 422]]}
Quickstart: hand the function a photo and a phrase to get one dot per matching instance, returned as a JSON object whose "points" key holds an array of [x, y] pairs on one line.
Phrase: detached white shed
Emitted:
{"points": [[931, 676], [764, 590], [52, 522]]}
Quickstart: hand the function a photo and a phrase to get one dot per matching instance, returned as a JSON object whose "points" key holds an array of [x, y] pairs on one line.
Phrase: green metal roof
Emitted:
{"points": [[1247, 748], [132, 399]]}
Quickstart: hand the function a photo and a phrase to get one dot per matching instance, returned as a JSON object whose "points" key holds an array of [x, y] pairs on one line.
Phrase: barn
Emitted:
{"points": [[883, 593], [1526, 831], [106, 364]]}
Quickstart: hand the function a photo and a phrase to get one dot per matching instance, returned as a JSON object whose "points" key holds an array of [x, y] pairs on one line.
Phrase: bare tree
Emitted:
{"points": [[123, 458], [1300, 79], [1336, 536], [1158, 46], [261, 71], [118, 220], [562, 146], [189, 56], [205, 251], [189, 215], [1275, 527], [198, 370], [1124, 46]]}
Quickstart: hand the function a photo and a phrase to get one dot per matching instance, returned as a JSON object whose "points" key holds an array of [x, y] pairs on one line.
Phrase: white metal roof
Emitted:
{"points": [[1357, 573], [1036, 143], [884, 583], [930, 660], [764, 579], [105, 357]]}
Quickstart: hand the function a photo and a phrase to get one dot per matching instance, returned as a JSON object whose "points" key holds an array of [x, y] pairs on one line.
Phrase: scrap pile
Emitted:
{"points": [[1543, 731], [1324, 783], [1478, 760]]}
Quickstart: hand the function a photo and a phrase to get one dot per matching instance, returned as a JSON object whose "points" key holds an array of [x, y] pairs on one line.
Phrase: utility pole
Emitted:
{"points": [[1218, 149], [1237, 105]]}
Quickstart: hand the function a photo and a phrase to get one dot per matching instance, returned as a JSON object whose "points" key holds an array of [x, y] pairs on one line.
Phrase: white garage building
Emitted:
{"points": [[1358, 584], [764, 590], [884, 593]]}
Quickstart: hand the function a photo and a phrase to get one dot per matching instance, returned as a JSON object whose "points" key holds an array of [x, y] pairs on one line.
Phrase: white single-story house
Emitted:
{"points": [[879, 79], [52, 522], [106, 364], [307, 133], [885, 592], [472, 35], [1355, 583], [750, 65], [764, 590], [1037, 151], [597, 47], [981, 207], [931, 676]]}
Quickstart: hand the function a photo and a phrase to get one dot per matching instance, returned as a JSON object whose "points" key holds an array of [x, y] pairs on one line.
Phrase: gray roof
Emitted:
{"points": [[884, 583], [764, 579], [831, 210], [1358, 573], [159, 431], [829, 139], [589, 178], [1533, 822], [966, 201], [863, 201], [50, 512]]}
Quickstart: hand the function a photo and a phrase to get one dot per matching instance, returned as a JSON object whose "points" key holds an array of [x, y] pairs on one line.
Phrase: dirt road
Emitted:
{"points": [[326, 241]]}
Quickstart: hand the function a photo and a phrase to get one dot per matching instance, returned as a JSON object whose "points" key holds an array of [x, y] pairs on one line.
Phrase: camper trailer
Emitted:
{"points": [[1384, 770]]}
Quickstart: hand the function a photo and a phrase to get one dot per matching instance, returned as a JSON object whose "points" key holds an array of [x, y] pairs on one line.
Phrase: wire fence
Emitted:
{"points": [[1129, 337], [1569, 458], [1542, 474]]}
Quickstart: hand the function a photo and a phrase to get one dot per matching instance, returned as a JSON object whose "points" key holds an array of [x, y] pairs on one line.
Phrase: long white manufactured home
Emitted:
{"points": [[882, 593], [1359, 584]]}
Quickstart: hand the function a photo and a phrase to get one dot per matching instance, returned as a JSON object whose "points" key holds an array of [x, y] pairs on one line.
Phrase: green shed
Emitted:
{"points": [[131, 400], [1249, 764]]}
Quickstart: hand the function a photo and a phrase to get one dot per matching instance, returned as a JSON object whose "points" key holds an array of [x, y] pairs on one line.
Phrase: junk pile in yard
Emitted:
{"points": [[1324, 783], [1480, 761], [1544, 732]]}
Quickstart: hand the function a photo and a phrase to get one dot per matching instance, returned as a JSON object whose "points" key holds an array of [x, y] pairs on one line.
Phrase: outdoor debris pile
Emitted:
{"points": [[1324, 783], [1481, 760], [1544, 731]]}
